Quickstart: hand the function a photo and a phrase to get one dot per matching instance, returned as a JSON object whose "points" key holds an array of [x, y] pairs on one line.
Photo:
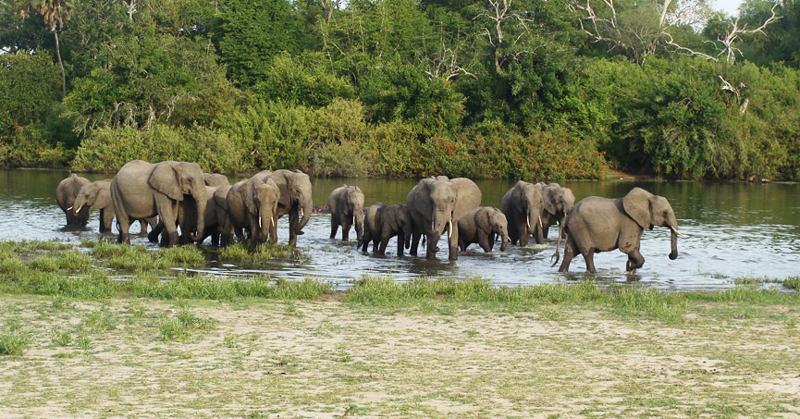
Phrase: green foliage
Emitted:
{"points": [[252, 34], [302, 81], [181, 326]]}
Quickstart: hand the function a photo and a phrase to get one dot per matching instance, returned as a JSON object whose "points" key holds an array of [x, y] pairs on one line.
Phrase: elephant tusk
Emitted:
{"points": [[540, 222], [69, 209], [678, 232], [354, 220], [302, 213], [79, 209], [272, 221], [528, 220], [449, 229], [259, 222]]}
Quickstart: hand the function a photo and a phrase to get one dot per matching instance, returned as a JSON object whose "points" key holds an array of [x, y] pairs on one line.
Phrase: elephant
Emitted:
{"points": [[436, 204], [482, 225], [347, 209], [97, 195], [522, 205], [601, 224], [557, 203], [383, 222], [66, 191], [253, 207], [141, 190], [188, 213], [295, 200]]}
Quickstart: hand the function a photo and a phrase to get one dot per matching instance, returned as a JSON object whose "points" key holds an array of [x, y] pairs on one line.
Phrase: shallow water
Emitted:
{"points": [[735, 230]]}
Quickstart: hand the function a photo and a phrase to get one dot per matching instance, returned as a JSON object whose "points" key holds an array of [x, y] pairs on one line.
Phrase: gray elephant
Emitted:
{"points": [[188, 213], [382, 222], [483, 225], [97, 195], [253, 208], [222, 216], [295, 200], [66, 191], [436, 204], [522, 206], [141, 190], [601, 224], [347, 209], [557, 202]]}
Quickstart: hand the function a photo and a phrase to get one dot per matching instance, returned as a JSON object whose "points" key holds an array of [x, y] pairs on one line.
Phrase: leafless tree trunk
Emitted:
{"points": [[498, 13]]}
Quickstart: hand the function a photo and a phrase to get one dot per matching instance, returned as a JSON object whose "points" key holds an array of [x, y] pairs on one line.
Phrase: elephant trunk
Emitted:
{"points": [[306, 207], [505, 241], [201, 199], [674, 244], [358, 222]]}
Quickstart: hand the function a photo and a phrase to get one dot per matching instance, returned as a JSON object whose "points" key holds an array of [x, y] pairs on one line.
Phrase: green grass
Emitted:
{"points": [[181, 326], [14, 342], [257, 255]]}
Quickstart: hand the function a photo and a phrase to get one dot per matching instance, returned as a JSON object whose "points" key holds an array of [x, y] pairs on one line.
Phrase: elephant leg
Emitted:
{"points": [[523, 235], [334, 227], [485, 242], [569, 254], [588, 256], [635, 261], [155, 232], [415, 237], [400, 243], [142, 227], [453, 243], [365, 243], [166, 213], [294, 221], [384, 243], [375, 243], [123, 225], [106, 219], [346, 230]]}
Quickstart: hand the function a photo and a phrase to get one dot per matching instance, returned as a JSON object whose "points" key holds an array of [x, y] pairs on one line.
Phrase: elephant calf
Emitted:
{"points": [[347, 209], [66, 191], [97, 195], [383, 222], [482, 226], [601, 224]]}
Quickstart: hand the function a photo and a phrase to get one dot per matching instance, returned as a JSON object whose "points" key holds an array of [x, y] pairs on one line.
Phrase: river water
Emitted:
{"points": [[734, 230]]}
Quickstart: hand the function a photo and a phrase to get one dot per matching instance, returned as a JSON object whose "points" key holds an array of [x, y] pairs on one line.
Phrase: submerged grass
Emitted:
{"points": [[247, 253]]}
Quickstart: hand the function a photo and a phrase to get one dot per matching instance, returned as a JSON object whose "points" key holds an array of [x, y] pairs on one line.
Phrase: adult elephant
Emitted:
{"points": [[188, 213], [382, 222], [557, 202], [522, 205], [253, 207], [97, 196], [66, 191], [295, 200], [601, 224], [141, 190], [347, 209], [483, 225], [436, 204]]}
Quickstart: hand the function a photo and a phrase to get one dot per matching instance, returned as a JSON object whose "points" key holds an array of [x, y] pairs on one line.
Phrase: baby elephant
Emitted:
{"points": [[383, 222], [601, 224], [347, 210], [482, 226]]}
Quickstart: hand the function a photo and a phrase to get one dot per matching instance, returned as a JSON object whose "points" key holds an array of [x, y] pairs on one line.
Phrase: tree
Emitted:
{"points": [[54, 13]]}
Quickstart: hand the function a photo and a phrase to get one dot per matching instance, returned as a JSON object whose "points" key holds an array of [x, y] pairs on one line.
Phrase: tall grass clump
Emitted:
{"points": [[14, 342], [247, 253], [648, 302], [792, 283], [200, 287], [181, 326]]}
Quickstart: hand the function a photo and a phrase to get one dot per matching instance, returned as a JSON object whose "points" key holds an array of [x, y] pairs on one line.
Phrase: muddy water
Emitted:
{"points": [[735, 230]]}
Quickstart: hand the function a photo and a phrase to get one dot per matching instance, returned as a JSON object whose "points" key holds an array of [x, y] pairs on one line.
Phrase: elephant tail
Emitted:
{"points": [[556, 255]]}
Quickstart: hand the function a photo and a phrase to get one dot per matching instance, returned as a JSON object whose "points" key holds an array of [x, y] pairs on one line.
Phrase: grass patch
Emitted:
{"points": [[246, 253], [14, 342], [792, 283], [181, 326], [648, 302]]}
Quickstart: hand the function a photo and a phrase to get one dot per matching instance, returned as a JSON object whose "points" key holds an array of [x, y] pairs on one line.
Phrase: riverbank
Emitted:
{"points": [[425, 357]]}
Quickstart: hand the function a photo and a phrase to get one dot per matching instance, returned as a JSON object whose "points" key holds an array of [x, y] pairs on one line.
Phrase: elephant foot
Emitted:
{"points": [[300, 233]]}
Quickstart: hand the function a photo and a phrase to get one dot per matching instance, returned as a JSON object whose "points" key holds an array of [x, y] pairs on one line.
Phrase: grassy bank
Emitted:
{"points": [[75, 341]]}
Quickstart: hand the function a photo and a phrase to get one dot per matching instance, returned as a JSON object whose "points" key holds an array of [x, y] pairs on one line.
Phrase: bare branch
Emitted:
{"points": [[735, 32]]}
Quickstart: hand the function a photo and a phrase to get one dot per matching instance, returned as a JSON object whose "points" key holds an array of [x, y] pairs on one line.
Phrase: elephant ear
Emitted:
{"points": [[246, 192], [164, 178], [549, 199], [468, 197], [483, 219], [392, 218], [102, 195], [637, 204]]}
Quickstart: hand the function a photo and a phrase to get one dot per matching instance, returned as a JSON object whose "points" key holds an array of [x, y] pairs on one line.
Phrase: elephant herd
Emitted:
{"points": [[180, 196]]}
